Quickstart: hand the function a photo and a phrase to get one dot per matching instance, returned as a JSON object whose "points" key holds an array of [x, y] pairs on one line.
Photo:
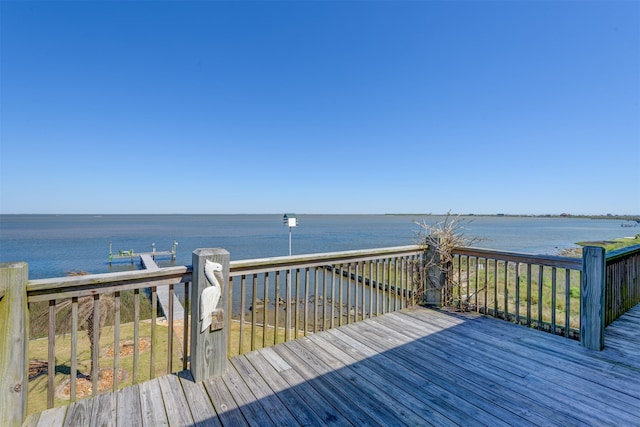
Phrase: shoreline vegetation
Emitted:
{"points": [[608, 245], [500, 215]]}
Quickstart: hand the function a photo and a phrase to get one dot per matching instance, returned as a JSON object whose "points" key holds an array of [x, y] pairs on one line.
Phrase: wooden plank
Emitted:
{"points": [[318, 402], [259, 387], [252, 410], [546, 260], [175, 403], [147, 262], [375, 383], [79, 413], [202, 410], [291, 397], [103, 411], [337, 395], [165, 298], [402, 379], [226, 407], [261, 265], [444, 375], [539, 385], [548, 350], [477, 389], [31, 420], [545, 349], [446, 396], [53, 417], [129, 407], [70, 286], [152, 404], [435, 406]]}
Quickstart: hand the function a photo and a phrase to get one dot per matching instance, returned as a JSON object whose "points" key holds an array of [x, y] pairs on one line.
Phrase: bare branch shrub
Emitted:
{"points": [[438, 242]]}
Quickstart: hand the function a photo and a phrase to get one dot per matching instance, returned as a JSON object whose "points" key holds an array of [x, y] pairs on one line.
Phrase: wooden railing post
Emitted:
{"points": [[14, 340], [208, 348], [435, 277], [592, 300]]}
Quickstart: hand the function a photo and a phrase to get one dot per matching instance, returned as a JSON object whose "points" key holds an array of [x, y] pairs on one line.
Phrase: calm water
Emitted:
{"points": [[56, 244]]}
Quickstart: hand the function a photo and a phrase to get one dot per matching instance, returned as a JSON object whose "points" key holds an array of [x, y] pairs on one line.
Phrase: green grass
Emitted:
{"points": [[614, 244]]}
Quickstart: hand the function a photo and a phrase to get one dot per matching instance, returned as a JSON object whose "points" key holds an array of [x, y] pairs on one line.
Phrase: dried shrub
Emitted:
{"points": [[436, 272]]}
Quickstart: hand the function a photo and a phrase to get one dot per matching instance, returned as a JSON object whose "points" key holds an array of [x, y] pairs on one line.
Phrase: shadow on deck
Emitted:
{"points": [[416, 367]]}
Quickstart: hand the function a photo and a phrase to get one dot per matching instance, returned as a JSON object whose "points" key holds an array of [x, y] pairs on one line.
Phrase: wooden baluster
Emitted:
{"points": [[116, 340], [74, 349]]}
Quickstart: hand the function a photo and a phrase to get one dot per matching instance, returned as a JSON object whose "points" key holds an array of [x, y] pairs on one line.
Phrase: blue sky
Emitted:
{"points": [[523, 107]]}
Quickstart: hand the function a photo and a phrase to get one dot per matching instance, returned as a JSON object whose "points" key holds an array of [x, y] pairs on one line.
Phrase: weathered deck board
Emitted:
{"points": [[103, 412], [250, 407], [477, 372], [300, 409], [79, 413], [418, 367], [336, 398], [440, 381], [175, 402], [129, 410], [200, 405], [309, 396], [261, 391], [226, 407], [151, 404]]}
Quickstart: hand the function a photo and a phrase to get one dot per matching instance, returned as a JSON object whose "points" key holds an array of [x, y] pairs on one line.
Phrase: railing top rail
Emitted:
{"points": [[622, 252], [43, 289], [544, 260], [78, 286], [261, 265]]}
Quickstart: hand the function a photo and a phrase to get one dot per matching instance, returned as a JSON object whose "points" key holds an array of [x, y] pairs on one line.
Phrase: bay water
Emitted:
{"points": [[54, 245]]}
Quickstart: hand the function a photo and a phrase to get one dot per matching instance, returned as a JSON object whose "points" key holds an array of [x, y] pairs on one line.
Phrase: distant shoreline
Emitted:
{"points": [[608, 216]]}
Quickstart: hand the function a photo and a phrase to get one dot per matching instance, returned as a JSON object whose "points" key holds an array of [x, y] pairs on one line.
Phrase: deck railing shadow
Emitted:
{"points": [[300, 296]]}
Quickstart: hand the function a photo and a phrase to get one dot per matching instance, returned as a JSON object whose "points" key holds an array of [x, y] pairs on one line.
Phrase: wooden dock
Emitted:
{"points": [[419, 367], [148, 263], [132, 254]]}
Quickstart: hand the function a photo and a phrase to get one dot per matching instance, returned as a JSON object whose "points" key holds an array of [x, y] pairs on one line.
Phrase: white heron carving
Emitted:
{"points": [[211, 294]]}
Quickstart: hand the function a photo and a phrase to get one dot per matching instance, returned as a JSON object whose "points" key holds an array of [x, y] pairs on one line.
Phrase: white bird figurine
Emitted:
{"points": [[211, 294]]}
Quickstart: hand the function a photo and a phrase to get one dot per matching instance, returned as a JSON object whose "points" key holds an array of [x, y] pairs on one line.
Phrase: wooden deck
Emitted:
{"points": [[420, 367]]}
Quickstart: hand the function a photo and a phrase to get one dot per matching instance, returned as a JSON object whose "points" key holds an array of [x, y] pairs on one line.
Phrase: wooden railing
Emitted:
{"points": [[573, 297], [94, 304], [272, 300], [278, 299], [622, 282], [541, 292]]}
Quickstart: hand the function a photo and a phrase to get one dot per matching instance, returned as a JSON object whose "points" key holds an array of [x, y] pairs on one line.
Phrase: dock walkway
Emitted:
{"points": [[163, 291], [416, 367]]}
